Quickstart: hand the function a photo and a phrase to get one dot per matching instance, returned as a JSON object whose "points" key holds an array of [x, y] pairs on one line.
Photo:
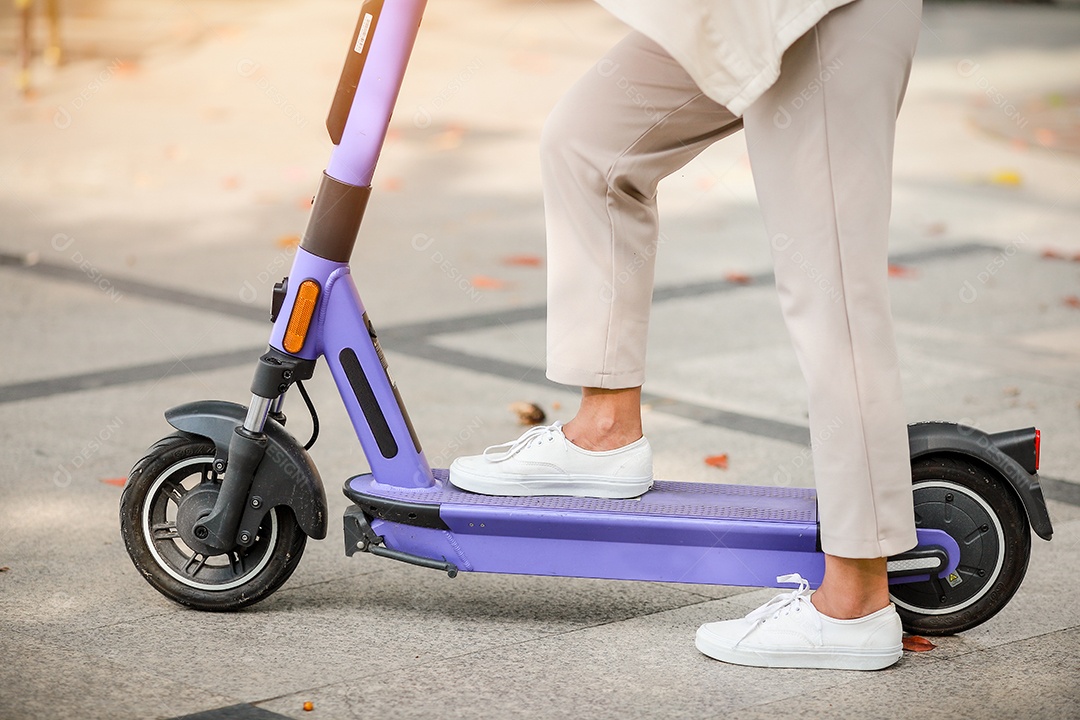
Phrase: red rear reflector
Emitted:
{"points": [[1038, 442]]}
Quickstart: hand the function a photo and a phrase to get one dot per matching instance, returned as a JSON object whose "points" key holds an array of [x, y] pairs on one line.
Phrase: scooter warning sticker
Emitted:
{"points": [[361, 38], [954, 579]]}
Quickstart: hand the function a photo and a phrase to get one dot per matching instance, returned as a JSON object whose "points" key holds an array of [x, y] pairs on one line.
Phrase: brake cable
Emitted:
{"points": [[314, 415]]}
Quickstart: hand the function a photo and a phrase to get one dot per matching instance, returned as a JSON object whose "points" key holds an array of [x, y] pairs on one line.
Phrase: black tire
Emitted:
{"points": [[985, 517], [173, 469]]}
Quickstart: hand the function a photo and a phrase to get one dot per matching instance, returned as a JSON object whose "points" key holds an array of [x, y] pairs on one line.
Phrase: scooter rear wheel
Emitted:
{"points": [[167, 491], [986, 519]]}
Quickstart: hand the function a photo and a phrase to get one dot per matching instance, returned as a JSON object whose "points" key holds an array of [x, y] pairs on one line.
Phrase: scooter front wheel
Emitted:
{"points": [[169, 490], [985, 517]]}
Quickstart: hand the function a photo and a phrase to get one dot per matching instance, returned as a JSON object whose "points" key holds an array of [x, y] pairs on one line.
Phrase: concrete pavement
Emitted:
{"points": [[151, 193]]}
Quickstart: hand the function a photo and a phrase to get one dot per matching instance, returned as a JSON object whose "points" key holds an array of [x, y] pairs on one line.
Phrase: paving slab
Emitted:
{"points": [[152, 191]]}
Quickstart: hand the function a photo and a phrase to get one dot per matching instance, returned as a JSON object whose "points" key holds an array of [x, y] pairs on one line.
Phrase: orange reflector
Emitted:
{"points": [[300, 319]]}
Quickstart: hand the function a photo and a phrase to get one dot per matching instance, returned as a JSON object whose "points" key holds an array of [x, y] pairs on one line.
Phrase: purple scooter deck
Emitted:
{"points": [[676, 532], [672, 499]]}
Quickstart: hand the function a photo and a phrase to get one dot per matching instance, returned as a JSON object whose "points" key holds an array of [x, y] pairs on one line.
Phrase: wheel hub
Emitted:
{"points": [[960, 513], [197, 504]]}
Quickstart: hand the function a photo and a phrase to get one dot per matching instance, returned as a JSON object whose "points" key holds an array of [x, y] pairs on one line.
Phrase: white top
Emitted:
{"points": [[731, 48]]}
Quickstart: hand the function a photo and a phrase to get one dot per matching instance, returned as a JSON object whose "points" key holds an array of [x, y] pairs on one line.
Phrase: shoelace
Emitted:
{"points": [[783, 604], [533, 434]]}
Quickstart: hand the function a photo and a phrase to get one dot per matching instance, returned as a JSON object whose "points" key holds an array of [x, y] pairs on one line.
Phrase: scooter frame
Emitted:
{"points": [[683, 532]]}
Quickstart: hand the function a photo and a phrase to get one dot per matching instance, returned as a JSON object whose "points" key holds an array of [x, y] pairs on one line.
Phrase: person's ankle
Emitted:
{"points": [[848, 608], [600, 434]]}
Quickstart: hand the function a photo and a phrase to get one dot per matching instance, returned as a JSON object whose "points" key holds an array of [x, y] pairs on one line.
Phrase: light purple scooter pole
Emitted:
{"points": [[340, 330], [391, 34]]}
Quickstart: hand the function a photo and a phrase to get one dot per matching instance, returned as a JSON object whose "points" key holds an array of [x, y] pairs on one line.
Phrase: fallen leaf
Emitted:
{"points": [[915, 643], [125, 67], [229, 32], [528, 413], [288, 241], [1045, 137], [1006, 177], [450, 138], [900, 271], [717, 461], [483, 282], [118, 482], [4, 569], [1072, 301], [738, 278], [523, 260]]}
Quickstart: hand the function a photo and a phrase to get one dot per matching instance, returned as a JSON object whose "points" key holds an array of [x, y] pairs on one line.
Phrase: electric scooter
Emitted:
{"points": [[216, 515]]}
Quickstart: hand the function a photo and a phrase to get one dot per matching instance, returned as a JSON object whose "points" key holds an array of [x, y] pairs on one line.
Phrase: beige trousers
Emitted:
{"points": [[820, 144]]}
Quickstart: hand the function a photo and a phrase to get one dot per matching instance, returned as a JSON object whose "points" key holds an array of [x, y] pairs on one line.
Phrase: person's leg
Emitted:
{"points": [[632, 120], [821, 144]]}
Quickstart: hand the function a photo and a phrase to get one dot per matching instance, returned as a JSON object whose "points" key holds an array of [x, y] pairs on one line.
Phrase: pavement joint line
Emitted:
{"points": [[96, 380], [740, 422], [289, 587], [1063, 491], [426, 328], [395, 335], [411, 340], [138, 288], [240, 711], [38, 389]]}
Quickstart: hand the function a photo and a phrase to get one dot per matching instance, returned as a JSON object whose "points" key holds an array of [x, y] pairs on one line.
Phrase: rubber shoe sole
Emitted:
{"points": [[557, 485], [825, 658]]}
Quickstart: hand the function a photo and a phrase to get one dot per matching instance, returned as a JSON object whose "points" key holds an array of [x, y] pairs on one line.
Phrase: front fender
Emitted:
{"points": [[930, 438], [286, 475]]}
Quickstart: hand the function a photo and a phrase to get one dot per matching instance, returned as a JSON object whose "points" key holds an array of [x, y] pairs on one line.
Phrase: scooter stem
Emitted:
{"points": [[359, 120]]}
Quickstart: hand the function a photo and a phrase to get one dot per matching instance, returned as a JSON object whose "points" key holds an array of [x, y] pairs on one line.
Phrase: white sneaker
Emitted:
{"points": [[544, 462], [788, 631]]}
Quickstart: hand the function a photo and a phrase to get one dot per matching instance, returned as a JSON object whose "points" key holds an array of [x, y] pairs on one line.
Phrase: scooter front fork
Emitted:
{"points": [[221, 528]]}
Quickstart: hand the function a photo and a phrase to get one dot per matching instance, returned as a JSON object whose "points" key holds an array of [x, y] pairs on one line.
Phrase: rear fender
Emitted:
{"points": [[1002, 453], [286, 475]]}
